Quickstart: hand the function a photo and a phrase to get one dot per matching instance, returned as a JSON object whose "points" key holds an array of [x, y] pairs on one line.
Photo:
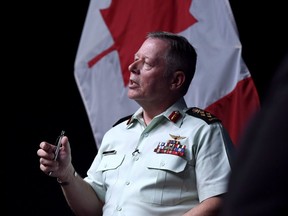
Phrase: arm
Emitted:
{"points": [[209, 207], [212, 170], [79, 195]]}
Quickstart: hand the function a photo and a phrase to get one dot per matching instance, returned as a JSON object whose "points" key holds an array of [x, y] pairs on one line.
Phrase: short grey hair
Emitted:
{"points": [[181, 55]]}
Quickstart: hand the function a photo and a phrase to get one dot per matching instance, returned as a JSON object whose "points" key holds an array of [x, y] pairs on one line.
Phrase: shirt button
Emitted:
{"points": [[127, 183], [162, 163], [118, 208]]}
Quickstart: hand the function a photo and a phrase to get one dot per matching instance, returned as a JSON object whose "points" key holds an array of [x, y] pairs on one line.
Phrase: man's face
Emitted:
{"points": [[147, 82]]}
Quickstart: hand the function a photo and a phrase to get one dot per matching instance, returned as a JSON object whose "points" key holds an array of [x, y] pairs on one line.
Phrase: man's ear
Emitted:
{"points": [[177, 80]]}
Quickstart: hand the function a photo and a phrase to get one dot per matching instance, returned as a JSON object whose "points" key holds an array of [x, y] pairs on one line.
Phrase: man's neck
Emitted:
{"points": [[152, 110]]}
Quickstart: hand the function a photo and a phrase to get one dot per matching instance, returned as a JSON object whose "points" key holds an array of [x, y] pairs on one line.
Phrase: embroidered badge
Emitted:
{"points": [[202, 114], [174, 116]]}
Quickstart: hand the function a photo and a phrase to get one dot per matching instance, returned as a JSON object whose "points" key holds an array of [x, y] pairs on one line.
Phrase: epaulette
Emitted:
{"points": [[203, 114], [121, 120]]}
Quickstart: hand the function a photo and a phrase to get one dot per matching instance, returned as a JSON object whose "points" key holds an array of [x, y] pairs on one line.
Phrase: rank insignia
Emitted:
{"points": [[174, 116], [171, 147], [202, 114]]}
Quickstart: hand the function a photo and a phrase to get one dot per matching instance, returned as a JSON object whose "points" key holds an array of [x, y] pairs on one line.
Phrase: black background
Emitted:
{"points": [[43, 99]]}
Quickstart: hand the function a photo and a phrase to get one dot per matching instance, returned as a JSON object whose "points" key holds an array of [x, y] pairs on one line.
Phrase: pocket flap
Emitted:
{"points": [[110, 162], [169, 162]]}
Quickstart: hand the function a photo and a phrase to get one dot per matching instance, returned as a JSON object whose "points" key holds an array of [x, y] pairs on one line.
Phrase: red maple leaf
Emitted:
{"points": [[130, 21]]}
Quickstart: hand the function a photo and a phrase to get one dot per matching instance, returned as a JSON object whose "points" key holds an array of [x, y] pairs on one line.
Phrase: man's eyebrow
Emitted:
{"points": [[142, 57]]}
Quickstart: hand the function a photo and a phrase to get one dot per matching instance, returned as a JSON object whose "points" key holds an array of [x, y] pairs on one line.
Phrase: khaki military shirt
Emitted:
{"points": [[165, 168]]}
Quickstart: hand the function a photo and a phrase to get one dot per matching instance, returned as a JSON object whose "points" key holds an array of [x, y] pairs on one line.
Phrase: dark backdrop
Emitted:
{"points": [[43, 97]]}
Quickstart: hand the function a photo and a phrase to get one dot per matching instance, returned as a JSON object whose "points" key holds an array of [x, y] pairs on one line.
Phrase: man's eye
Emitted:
{"points": [[147, 66]]}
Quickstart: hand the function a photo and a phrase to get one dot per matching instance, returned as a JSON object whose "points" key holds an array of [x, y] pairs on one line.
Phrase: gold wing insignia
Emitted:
{"points": [[177, 137]]}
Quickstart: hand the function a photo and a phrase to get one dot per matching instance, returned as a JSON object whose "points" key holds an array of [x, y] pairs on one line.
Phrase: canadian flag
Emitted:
{"points": [[115, 29]]}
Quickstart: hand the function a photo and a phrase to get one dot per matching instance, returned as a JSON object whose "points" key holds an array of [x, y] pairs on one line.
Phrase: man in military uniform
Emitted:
{"points": [[165, 159]]}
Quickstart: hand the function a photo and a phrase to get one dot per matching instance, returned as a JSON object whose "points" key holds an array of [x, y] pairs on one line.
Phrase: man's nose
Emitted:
{"points": [[134, 67]]}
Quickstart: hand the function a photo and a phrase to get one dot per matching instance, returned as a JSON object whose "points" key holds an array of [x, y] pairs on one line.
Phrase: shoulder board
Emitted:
{"points": [[121, 120], [202, 114]]}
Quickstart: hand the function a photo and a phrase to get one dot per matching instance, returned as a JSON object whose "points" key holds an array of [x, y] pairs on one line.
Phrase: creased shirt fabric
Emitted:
{"points": [[148, 182]]}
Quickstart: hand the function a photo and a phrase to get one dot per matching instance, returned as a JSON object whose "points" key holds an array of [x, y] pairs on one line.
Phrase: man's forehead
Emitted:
{"points": [[152, 48]]}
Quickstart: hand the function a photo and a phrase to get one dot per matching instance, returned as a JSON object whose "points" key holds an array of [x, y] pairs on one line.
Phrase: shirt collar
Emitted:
{"points": [[174, 113]]}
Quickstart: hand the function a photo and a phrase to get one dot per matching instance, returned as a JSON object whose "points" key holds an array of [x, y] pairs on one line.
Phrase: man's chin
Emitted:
{"points": [[132, 95]]}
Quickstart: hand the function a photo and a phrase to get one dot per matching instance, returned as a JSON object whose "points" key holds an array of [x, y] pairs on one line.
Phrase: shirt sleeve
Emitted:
{"points": [[212, 161]]}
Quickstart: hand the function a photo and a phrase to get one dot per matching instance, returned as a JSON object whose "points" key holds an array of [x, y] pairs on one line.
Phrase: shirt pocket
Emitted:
{"points": [[167, 179], [109, 165]]}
